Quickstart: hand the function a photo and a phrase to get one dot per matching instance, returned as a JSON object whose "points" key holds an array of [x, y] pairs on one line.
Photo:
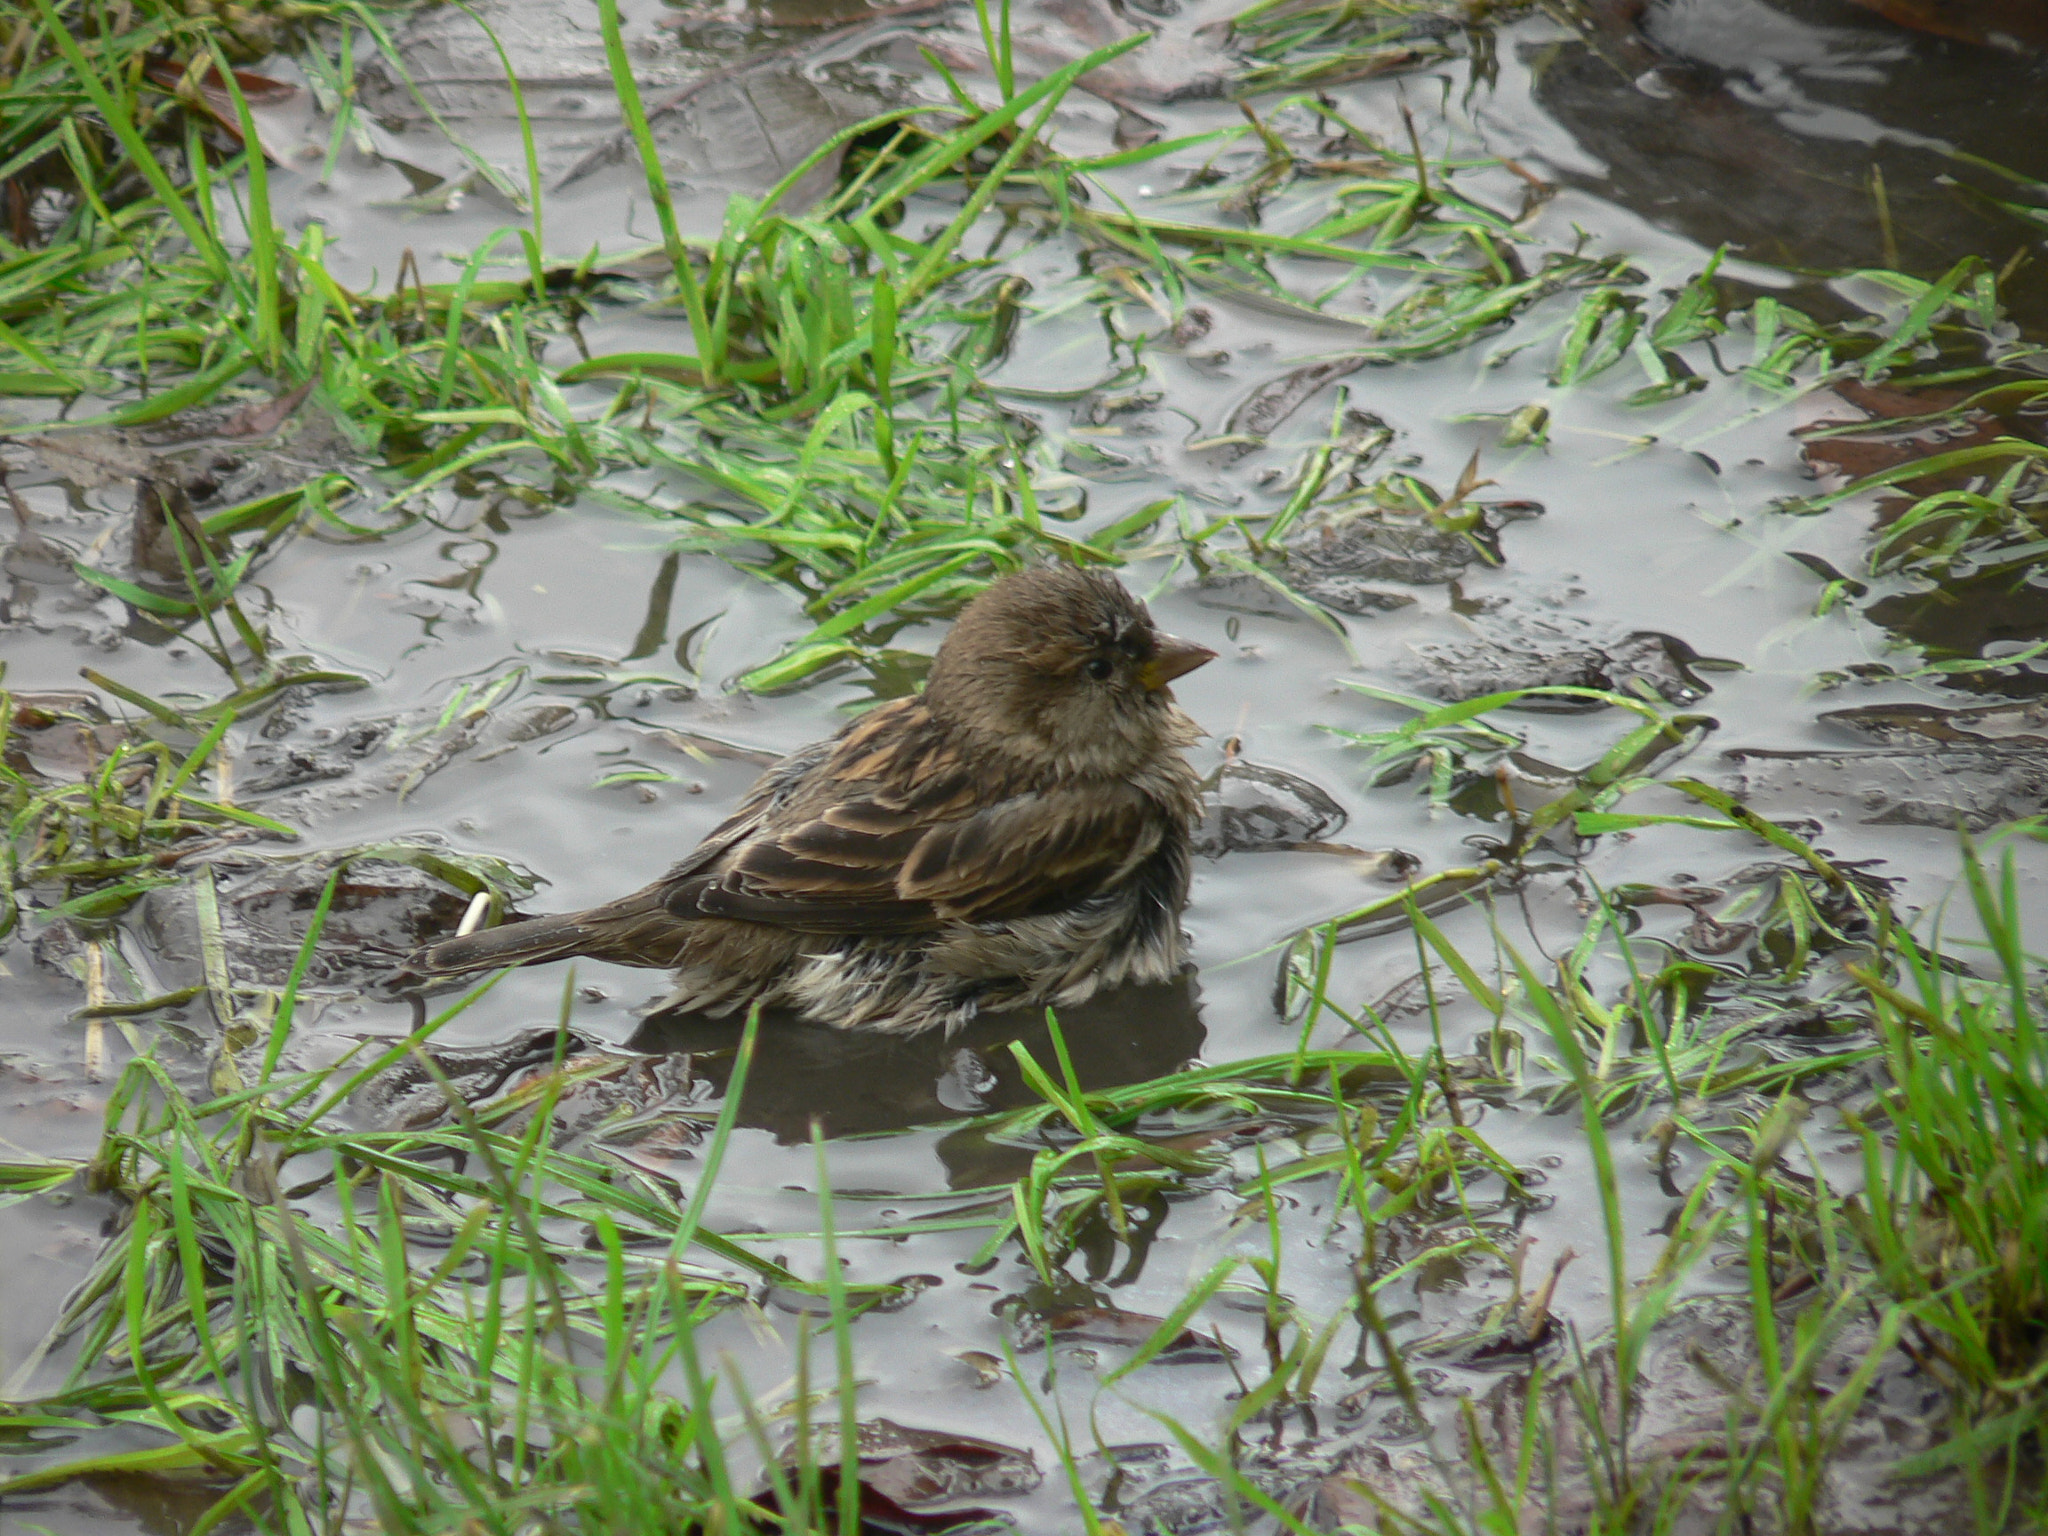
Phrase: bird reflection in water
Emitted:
{"points": [[850, 1083]]}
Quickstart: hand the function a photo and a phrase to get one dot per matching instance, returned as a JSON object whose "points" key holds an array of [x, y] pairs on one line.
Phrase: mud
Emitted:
{"points": [[546, 691]]}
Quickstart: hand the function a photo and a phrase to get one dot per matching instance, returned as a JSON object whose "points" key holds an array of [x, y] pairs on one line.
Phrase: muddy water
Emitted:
{"points": [[1659, 521]]}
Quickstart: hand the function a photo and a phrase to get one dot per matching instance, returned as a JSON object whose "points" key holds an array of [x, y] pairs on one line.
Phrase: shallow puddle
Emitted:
{"points": [[1620, 542]]}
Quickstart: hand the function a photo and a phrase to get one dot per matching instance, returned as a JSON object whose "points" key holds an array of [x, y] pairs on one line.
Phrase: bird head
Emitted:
{"points": [[1062, 668]]}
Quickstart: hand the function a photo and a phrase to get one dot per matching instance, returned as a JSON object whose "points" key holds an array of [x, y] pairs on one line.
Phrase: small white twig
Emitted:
{"points": [[473, 918]]}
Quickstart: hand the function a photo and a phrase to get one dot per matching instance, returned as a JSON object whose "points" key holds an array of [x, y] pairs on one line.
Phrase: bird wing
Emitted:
{"points": [[872, 865], [1033, 853], [773, 790]]}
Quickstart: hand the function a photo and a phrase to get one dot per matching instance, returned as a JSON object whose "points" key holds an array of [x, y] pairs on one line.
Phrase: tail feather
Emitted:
{"points": [[527, 943], [634, 930]]}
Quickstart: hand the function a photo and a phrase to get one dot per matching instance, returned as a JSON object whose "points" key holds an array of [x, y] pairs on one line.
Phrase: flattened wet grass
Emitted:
{"points": [[476, 1325]]}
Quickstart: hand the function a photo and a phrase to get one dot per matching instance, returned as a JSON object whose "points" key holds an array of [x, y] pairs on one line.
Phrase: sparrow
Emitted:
{"points": [[1017, 834]]}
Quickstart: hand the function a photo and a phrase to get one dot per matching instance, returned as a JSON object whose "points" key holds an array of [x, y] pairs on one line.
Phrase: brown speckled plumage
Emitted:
{"points": [[1016, 835]]}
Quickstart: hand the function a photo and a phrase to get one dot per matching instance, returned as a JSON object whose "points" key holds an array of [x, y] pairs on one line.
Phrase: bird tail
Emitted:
{"points": [[527, 943], [634, 930]]}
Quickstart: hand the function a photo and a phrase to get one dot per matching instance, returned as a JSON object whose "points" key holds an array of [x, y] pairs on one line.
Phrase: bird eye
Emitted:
{"points": [[1100, 668]]}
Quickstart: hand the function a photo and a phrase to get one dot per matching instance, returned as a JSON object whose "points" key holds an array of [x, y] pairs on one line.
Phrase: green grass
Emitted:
{"points": [[1293, 44], [312, 1316], [841, 405], [489, 1325], [93, 843], [1954, 1213]]}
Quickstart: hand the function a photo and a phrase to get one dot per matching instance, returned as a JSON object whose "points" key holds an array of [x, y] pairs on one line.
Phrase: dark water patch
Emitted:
{"points": [[854, 1084], [1808, 135]]}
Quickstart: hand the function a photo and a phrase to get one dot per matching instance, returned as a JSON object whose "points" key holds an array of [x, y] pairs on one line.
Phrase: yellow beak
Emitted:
{"points": [[1173, 657]]}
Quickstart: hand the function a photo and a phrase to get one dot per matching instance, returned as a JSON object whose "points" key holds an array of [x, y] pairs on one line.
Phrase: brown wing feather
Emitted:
{"points": [[1028, 854], [1032, 853], [834, 873], [823, 857], [894, 835]]}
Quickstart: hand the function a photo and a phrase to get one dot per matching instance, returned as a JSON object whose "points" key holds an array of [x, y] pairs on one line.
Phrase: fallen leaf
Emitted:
{"points": [[262, 418]]}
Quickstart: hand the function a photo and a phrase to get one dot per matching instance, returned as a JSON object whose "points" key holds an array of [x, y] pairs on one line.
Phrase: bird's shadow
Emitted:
{"points": [[850, 1084]]}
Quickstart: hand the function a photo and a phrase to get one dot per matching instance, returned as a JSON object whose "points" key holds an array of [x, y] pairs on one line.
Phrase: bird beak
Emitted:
{"points": [[1173, 657]]}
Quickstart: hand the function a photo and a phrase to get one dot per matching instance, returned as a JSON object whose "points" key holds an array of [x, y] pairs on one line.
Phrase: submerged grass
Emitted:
{"points": [[418, 1329], [318, 1318], [481, 1325], [479, 1322], [841, 422], [104, 819]]}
